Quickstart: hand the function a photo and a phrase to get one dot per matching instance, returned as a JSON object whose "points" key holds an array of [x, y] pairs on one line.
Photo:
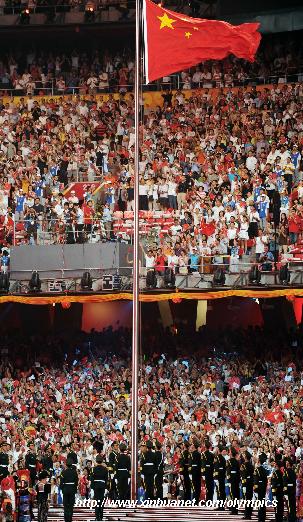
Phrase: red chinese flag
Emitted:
{"points": [[175, 42]]}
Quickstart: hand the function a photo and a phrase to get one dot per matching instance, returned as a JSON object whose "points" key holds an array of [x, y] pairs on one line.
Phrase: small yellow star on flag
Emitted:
{"points": [[196, 28], [166, 21], [188, 35]]}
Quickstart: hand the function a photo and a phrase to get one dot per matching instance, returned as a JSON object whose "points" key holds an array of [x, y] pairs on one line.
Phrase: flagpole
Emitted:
{"points": [[135, 321]]}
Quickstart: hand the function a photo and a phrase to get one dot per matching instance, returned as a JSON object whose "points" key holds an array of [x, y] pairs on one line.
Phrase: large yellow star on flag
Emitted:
{"points": [[166, 21]]}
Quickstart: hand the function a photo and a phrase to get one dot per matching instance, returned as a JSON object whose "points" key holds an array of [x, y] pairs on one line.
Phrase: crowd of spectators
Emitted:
{"points": [[39, 71], [48, 72], [212, 165], [72, 393]]}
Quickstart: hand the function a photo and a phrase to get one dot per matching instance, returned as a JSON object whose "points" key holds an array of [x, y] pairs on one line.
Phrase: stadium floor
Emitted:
{"points": [[153, 515]]}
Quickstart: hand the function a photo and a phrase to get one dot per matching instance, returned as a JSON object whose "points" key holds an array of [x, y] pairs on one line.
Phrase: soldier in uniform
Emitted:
{"points": [[122, 473], [233, 478], [112, 460], [289, 486], [277, 488], [43, 489], [69, 485], [195, 471], [148, 468], [4, 460], [208, 470], [159, 470], [72, 456], [31, 463], [47, 461], [247, 479], [219, 476], [184, 470], [260, 485], [99, 481]]}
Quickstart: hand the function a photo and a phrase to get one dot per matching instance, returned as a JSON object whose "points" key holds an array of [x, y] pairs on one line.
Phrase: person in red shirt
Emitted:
{"points": [[89, 212], [160, 262], [293, 225]]}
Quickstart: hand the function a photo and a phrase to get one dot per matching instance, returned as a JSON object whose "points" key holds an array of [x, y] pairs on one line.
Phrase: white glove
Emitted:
{"points": [[91, 493], [216, 483], [244, 490], [191, 477], [105, 492], [142, 476], [128, 481], [112, 476]]}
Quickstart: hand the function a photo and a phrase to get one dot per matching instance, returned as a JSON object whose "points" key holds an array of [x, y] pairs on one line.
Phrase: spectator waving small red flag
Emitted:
{"points": [[175, 42]]}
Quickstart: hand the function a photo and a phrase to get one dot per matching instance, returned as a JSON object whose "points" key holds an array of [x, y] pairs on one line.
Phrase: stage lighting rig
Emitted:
{"points": [[24, 18], [34, 285], [89, 15]]}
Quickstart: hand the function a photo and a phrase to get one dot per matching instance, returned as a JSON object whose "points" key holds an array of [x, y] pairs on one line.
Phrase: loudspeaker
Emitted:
{"points": [[151, 279], [254, 275], [86, 281], [284, 275], [4, 283], [219, 277], [169, 278], [34, 284]]}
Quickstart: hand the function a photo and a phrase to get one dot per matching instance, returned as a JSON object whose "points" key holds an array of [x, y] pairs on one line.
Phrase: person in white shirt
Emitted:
{"points": [[261, 241], [73, 198], [243, 233], [217, 209], [92, 83], [272, 156], [150, 260], [284, 154], [79, 223], [251, 162], [172, 194]]}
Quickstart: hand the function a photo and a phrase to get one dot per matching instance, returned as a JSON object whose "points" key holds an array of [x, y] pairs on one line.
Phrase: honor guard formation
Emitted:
{"points": [[204, 474]]}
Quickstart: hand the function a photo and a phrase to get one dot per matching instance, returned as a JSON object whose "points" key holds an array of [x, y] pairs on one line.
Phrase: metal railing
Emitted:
{"points": [[52, 89], [14, 7], [174, 83], [42, 230]]}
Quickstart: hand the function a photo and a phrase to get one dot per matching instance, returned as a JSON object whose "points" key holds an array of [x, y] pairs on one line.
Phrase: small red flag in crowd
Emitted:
{"points": [[175, 42]]}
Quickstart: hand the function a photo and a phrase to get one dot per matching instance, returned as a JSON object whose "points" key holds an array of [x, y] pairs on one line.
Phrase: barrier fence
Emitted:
{"points": [[46, 231], [173, 82]]}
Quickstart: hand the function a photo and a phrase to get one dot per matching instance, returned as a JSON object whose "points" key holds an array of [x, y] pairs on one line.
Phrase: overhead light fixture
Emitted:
{"points": [[4, 283], [89, 16], [86, 282], [34, 284], [284, 275], [24, 18], [254, 276], [219, 277]]}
